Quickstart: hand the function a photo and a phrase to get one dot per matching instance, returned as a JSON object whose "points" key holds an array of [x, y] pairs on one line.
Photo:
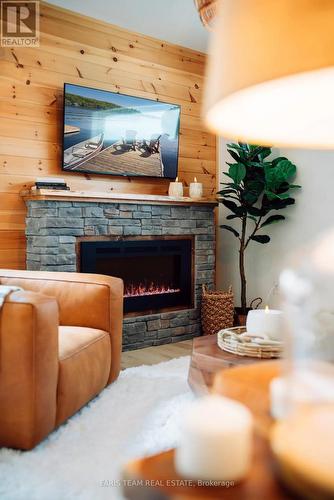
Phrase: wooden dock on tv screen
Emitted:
{"points": [[116, 162]]}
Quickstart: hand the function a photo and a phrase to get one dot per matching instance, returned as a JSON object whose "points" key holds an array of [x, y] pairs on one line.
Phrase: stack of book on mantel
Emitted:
{"points": [[50, 183]]}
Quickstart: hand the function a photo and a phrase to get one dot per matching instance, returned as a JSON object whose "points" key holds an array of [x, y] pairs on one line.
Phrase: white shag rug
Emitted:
{"points": [[137, 415]]}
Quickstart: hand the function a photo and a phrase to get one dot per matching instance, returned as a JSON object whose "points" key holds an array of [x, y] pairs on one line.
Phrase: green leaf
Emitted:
{"points": [[261, 238], [256, 186], [270, 195], [232, 216], [232, 185], [259, 152], [233, 207], [284, 188], [256, 211], [249, 197], [286, 169], [272, 178], [257, 164], [237, 172], [236, 147], [264, 153], [234, 155], [278, 160], [227, 191], [277, 204], [283, 196], [273, 196], [231, 229], [272, 220], [254, 149]]}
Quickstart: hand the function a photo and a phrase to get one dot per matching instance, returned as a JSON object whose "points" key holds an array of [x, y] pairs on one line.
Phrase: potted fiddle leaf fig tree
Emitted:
{"points": [[257, 188]]}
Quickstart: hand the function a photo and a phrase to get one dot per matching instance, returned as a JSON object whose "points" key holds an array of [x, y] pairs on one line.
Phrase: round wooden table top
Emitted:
{"points": [[207, 359]]}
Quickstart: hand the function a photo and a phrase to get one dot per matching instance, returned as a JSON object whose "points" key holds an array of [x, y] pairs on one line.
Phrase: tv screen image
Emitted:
{"points": [[110, 133]]}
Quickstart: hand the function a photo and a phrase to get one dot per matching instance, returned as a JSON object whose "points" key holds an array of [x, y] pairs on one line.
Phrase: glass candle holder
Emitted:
{"points": [[175, 189], [308, 290], [195, 189]]}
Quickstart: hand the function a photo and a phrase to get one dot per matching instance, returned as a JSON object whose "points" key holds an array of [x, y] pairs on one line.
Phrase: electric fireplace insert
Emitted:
{"points": [[157, 273]]}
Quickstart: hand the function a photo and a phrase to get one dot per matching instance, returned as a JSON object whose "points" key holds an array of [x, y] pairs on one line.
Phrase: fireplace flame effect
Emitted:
{"points": [[137, 290]]}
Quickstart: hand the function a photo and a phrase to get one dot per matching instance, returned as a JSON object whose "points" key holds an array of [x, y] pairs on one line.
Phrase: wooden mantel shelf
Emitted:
{"points": [[49, 195]]}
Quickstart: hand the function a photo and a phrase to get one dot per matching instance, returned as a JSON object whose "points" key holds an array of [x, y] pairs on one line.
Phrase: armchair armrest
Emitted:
{"points": [[28, 368]]}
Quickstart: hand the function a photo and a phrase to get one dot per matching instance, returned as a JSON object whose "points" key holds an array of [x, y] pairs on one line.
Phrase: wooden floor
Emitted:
{"points": [[120, 162], [153, 355]]}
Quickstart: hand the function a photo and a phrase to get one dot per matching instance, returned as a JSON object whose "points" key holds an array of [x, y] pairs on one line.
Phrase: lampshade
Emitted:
{"points": [[270, 75]]}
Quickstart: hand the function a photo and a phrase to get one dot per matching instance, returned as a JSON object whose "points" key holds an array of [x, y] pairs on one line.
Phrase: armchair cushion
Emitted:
{"points": [[84, 367], [73, 339]]}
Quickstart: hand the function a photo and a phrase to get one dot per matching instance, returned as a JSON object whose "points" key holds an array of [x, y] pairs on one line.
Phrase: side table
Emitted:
{"points": [[207, 359]]}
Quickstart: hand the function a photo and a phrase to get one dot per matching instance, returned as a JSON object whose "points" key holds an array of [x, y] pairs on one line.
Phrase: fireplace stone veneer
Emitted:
{"points": [[53, 229]]}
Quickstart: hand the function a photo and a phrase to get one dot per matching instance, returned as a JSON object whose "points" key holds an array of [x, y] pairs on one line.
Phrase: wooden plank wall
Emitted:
{"points": [[81, 50]]}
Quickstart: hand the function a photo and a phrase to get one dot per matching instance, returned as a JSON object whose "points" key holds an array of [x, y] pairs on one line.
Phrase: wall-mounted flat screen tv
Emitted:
{"points": [[117, 134]]}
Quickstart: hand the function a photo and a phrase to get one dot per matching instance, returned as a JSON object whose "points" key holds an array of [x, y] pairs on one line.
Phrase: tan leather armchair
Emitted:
{"points": [[60, 345]]}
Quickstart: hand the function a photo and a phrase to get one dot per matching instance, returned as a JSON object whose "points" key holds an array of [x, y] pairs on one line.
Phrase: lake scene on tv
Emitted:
{"points": [[117, 134]]}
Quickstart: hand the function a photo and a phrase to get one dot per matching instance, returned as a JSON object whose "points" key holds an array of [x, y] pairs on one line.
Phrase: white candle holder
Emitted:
{"points": [[266, 322], [196, 189], [216, 440], [175, 189]]}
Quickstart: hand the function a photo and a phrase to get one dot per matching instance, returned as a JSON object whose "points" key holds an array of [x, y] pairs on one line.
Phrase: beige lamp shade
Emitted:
{"points": [[270, 76]]}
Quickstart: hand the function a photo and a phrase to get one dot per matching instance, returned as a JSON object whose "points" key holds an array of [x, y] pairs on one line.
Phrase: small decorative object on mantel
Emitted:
{"points": [[216, 440], [217, 310], [51, 183], [196, 189], [238, 341], [175, 189]]}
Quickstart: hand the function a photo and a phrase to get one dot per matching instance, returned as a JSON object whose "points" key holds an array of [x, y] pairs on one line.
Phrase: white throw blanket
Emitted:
{"points": [[5, 291]]}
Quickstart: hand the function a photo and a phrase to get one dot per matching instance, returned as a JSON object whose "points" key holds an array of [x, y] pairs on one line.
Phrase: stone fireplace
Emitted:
{"points": [[163, 252]]}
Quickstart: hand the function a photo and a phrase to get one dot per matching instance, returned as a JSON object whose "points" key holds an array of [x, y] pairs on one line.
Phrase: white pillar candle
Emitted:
{"points": [[216, 440], [196, 189], [265, 322], [176, 189]]}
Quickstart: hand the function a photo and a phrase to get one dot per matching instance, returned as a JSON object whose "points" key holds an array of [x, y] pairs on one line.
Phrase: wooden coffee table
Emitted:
{"points": [[207, 359]]}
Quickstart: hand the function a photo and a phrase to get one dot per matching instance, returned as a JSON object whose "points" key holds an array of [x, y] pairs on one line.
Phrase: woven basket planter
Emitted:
{"points": [[217, 310]]}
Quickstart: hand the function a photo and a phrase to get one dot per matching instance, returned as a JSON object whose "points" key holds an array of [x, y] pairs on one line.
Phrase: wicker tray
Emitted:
{"points": [[237, 341]]}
